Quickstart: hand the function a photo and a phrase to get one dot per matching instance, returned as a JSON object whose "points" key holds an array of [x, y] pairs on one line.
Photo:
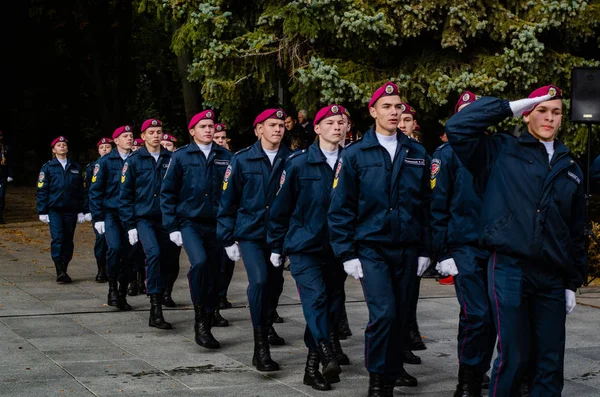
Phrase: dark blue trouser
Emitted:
{"points": [[100, 248], [225, 273], [119, 261], [390, 274], [203, 250], [528, 305], [320, 280], [62, 230], [476, 331], [265, 282], [173, 267], [159, 250]]}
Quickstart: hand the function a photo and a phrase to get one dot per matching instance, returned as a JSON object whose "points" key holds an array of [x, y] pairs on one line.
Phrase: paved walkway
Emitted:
{"points": [[62, 340]]}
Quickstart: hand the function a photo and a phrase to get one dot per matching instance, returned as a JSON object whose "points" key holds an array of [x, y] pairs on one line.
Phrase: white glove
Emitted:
{"points": [[45, 218], [353, 268], [422, 265], [447, 267], [524, 105], [570, 300], [9, 179], [233, 252], [276, 259], [133, 236], [80, 217], [176, 238], [88, 217], [99, 226]]}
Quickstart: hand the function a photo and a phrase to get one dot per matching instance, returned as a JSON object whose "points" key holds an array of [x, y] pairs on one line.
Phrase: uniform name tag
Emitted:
{"points": [[419, 162], [221, 162], [574, 177]]}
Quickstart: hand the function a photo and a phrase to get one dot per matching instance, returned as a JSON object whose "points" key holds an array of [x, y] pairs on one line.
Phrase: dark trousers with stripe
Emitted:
{"points": [[62, 230], [119, 260], [159, 251]]}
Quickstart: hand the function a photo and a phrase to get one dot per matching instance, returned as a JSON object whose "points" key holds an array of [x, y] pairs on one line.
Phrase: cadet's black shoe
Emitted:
{"points": [[122, 298], [276, 319], [485, 384], [101, 275], [113, 293], [312, 376], [218, 320], [343, 327], [406, 380], [133, 288], [378, 386], [168, 301], [202, 325], [331, 367], [262, 354], [273, 338], [224, 303], [410, 358], [156, 315], [469, 382], [414, 337], [141, 280], [340, 356]]}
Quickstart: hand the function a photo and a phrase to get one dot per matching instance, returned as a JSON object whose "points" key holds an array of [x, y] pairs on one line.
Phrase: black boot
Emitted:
{"points": [[312, 376], [275, 339], [262, 354], [469, 382], [218, 320], [133, 288], [276, 318], [156, 315], [202, 325], [61, 273], [113, 293], [101, 275], [167, 300], [410, 358], [224, 303], [378, 386], [406, 380], [343, 327], [122, 298], [340, 356], [141, 280], [414, 337], [331, 368]]}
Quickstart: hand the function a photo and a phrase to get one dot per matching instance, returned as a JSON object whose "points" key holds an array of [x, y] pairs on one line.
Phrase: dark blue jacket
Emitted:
{"points": [[141, 179], [192, 186], [375, 201], [104, 185], [298, 216], [532, 208], [595, 172], [455, 203], [58, 188], [249, 187], [87, 180]]}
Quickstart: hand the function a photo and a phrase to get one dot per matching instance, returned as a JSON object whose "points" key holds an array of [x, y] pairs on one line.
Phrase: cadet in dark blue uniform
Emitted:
{"points": [[59, 202], [189, 201], [104, 146], [532, 221], [298, 229], [379, 227], [455, 207], [104, 206], [249, 187], [139, 210]]}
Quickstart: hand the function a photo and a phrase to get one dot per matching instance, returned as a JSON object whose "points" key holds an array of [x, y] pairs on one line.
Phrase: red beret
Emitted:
{"points": [[103, 141], [120, 130], [388, 89], [150, 123], [328, 111], [552, 90], [347, 112], [203, 115], [138, 142], [405, 108], [220, 127], [167, 137], [417, 128], [269, 114], [465, 97], [59, 139]]}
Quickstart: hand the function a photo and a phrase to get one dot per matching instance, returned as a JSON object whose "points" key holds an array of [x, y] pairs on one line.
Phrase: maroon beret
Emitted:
{"points": [[120, 130], [552, 90], [203, 115], [58, 139], [169, 138], [220, 127], [138, 142], [103, 141], [418, 128], [405, 108], [269, 114], [328, 111], [388, 89], [465, 97], [150, 123]]}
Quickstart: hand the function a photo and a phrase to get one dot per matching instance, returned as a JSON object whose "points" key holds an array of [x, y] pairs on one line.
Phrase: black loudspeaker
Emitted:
{"points": [[585, 99]]}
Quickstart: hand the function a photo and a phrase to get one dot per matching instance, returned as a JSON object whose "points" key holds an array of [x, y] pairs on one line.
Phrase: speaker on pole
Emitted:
{"points": [[585, 98]]}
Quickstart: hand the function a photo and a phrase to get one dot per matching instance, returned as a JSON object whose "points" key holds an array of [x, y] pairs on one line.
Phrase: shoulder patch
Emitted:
{"points": [[242, 150], [436, 164], [226, 177], [336, 176], [125, 166], [41, 178]]}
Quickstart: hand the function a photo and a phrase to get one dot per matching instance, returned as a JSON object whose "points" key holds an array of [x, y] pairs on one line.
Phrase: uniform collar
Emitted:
{"points": [[144, 152], [370, 139], [257, 152], [559, 147], [315, 155]]}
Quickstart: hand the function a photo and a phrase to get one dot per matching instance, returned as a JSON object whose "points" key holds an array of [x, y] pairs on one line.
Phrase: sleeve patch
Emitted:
{"points": [[436, 164], [123, 173], [226, 178], [337, 173]]}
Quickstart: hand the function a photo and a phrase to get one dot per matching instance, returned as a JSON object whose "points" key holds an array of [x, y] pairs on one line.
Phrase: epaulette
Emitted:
{"points": [[297, 153], [181, 147], [242, 150], [352, 143]]}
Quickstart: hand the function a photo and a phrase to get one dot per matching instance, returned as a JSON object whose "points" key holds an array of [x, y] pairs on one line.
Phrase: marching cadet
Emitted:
{"points": [[532, 222], [137, 144], [104, 146], [104, 206], [221, 136], [59, 202], [137, 254], [379, 227], [139, 210], [298, 229], [169, 142], [189, 201], [455, 208], [249, 187]]}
